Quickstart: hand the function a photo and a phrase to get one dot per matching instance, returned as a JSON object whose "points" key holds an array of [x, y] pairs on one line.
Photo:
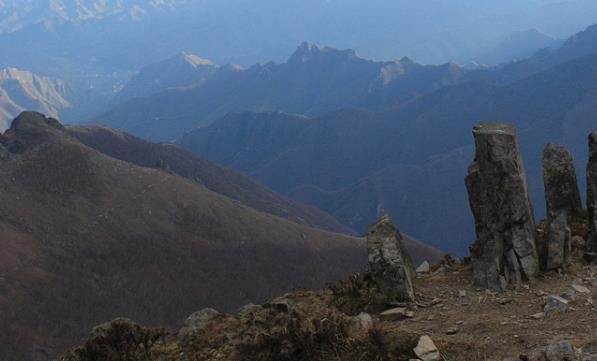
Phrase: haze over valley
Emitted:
{"points": [[285, 180]]}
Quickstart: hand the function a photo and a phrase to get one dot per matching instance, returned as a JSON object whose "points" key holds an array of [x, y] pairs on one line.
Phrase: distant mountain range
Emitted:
{"points": [[313, 81], [52, 37], [182, 70], [518, 46], [19, 14], [409, 161], [21, 90], [97, 224]]}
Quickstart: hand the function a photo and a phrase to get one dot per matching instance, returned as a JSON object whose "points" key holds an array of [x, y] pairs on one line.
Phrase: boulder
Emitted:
{"points": [[555, 303], [391, 267], [196, 322], [592, 192], [563, 203], [426, 349], [559, 351], [504, 252]]}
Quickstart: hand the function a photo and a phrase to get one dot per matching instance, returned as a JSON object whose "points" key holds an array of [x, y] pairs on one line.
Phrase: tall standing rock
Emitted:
{"points": [[592, 192], [504, 252], [390, 264], [563, 203]]}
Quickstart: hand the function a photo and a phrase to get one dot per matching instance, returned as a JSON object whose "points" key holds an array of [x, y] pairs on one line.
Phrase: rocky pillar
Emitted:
{"points": [[390, 264], [592, 192], [504, 252], [563, 203]]}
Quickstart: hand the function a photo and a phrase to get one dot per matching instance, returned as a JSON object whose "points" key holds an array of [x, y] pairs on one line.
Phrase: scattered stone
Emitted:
{"points": [[563, 202], [424, 268], [580, 288], [452, 331], [504, 252], [505, 301], [555, 303], [396, 314], [390, 264], [426, 349], [436, 301], [461, 293], [538, 316], [559, 351], [569, 294], [592, 195], [459, 322], [540, 293], [362, 322], [196, 322]]}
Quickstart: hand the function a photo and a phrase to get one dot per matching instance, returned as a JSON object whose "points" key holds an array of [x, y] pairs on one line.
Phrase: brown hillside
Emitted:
{"points": [[221, 180], [85, 238], [171, 158]]}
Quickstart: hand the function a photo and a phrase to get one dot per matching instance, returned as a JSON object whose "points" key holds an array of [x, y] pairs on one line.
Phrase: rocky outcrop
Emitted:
{"points": [[504, 252], [563, 203], [390, 264], [592, 192]]}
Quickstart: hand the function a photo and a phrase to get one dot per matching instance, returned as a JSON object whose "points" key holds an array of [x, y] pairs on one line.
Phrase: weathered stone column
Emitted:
{"points": [[390, 264], [504, 252], [563, 202], [592, 192]]}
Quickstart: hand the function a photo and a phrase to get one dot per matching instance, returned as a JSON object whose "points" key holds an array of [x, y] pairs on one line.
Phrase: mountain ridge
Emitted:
{"points": [[96, 238]]}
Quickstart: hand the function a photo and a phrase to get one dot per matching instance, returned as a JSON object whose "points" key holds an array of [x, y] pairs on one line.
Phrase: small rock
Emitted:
{"points": [[540, 293], [426, 349], [559, 351], [361, 322], [569, 294], [538, 316], [396, 314], [462, 293], [555, 303], [504, 301], [580, 289], [424, 268], [459, 322], [452, 331]]}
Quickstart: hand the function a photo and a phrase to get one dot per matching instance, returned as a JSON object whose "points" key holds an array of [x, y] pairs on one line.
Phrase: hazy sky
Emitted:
{"points": [[249, 31]]}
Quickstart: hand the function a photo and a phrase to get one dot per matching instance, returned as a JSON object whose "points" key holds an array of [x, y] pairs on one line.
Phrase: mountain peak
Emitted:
{"points": [[30, 120], [194, 60], [30, 128], [308, 51]]}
